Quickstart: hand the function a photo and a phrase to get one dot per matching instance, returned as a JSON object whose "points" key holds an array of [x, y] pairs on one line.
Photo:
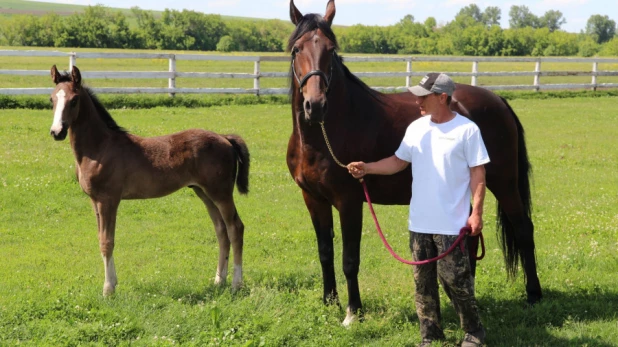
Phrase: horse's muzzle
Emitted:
{"points": [[315, 109], [61, 135]]}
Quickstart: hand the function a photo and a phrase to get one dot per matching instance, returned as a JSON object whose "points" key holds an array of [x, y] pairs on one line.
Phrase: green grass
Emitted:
{"points": [[52, 275]]}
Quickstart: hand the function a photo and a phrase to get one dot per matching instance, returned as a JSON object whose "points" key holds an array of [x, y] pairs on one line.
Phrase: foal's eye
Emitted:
{"points": [[51, 100], [73, 102]]}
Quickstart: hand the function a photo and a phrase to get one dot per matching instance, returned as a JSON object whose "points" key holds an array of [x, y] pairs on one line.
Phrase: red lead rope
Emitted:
{"points": [[459, 241]]}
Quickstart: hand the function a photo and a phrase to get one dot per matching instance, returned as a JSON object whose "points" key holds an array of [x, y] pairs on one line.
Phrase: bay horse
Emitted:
{"points": [[112, 164], [365, 125]]}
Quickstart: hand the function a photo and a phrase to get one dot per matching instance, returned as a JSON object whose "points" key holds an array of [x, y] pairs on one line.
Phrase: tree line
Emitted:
{"points": [[473, 32]]}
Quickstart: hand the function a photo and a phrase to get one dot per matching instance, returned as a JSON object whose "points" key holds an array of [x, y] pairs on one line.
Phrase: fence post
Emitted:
{"points": [[475, 70], [256, 79], [408, 70], [595, 69], [72, 58], [172, 80], [537, 75]]}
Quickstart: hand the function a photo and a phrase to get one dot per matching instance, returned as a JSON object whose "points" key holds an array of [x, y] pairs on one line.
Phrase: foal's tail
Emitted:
{"points": [[242, 156], [511, 250]]}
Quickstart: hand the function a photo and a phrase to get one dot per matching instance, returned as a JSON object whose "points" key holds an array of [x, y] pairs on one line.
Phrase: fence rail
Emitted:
{"points": [[172, 72]]}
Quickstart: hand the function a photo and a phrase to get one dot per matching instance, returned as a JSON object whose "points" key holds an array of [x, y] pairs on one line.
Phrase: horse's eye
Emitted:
{"points": [[73, 102], [51, 100], [295, 50]]}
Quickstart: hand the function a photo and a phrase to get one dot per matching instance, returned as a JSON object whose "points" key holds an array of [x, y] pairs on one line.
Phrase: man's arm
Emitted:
{"points": [[477, 186], [386, 166]]}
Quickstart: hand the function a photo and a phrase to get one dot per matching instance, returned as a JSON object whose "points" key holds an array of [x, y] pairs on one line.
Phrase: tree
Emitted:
{"points": [[430, 23], [521, 17], [492, 15], [552, 20], [472, 11], [601, 28]]}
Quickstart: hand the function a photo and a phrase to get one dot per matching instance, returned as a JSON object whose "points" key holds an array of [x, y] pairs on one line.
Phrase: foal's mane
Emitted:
{"points": [[311, 22], [103, 114]]}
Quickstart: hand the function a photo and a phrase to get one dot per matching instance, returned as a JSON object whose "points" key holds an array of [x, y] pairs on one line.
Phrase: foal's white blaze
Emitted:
{"points": [[110, 276], [56, 127]]}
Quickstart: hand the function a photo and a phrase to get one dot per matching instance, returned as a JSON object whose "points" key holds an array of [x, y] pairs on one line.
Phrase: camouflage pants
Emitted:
{"points": [[454, 274]]}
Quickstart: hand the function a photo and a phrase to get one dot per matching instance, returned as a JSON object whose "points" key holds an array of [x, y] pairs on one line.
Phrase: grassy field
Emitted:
{"points": [[51, 275], [85, 65]]}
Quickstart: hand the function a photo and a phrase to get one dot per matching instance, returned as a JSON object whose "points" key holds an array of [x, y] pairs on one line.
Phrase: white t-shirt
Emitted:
{"points": [[441, 156]]}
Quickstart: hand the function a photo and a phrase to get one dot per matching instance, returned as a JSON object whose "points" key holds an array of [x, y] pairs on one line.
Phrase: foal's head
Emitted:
{"points": [[312, 45], [65, 98]]}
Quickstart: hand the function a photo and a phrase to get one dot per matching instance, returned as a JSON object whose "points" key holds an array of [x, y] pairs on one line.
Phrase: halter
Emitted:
{"points": [[301, 82]]}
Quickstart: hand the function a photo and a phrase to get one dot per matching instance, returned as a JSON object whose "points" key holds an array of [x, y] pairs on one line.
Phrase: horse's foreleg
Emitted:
{"points": [[106, 216], [322, 218], [351, 217]]}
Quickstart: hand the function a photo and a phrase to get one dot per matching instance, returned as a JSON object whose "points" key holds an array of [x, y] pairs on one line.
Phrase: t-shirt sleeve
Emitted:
{"points": [[475, 151], [404, 152]]}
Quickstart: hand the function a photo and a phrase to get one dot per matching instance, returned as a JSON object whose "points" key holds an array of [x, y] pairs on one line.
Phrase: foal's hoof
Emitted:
{"points": [[108, 290], [350, 318]]}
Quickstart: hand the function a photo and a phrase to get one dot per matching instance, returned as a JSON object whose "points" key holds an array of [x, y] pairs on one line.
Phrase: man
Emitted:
{"points": [[447, 155]]}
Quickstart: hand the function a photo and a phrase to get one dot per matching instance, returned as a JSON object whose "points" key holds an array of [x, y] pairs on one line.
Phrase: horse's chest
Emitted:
{"points": [[309, 169], [84, 180]]}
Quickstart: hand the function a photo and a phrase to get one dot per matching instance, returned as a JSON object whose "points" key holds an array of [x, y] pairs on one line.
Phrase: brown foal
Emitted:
{"points": [[112, 165]]}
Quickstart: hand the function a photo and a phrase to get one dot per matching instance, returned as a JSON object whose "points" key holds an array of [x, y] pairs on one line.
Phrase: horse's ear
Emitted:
{"points": [[76, 76], [55, 75], [330, 12], [295, 15]]}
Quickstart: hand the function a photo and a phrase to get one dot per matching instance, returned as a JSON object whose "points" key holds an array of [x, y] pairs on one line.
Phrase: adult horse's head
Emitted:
{"points": [[65, 98], [312, 46]]}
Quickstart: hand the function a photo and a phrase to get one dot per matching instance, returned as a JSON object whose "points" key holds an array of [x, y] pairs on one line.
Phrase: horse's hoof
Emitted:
{"points": [[350, 318], [534, 299]]}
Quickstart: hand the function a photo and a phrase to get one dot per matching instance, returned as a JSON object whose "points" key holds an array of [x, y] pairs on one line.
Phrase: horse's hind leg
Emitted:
{"points": [[222, 237], [518, 233], [105, 212]]}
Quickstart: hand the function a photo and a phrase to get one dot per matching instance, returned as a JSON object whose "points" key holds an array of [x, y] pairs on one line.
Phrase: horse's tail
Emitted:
{"points": [[242, 156], [510, 248]]}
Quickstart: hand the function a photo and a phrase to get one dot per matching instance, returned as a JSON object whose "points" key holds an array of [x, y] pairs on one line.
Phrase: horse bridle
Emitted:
{"points": [[302, 81]]}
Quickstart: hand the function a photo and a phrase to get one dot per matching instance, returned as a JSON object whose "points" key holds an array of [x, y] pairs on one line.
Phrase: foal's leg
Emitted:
{"points": [[235, 232], [221, 231], [106, 216]]}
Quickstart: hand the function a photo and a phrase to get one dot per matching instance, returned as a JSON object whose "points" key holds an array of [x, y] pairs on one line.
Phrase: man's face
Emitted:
{"points": [[429, 103]]}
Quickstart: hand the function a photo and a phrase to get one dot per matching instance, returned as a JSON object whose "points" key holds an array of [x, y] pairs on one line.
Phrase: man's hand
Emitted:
{"points": [[475, 222], [357, 169]]}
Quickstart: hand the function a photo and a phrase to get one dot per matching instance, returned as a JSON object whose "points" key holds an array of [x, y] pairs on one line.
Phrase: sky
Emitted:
{"points": [[374, 12]]}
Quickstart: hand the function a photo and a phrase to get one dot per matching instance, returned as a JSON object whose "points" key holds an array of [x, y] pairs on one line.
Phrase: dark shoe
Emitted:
{"points": [[475, 339]]}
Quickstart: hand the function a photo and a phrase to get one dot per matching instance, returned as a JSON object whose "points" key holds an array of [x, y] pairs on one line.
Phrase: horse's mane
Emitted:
{"points": [[311, 22], [105, 116]]}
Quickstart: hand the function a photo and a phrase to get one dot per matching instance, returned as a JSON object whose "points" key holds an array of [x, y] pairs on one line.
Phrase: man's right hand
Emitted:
{"points": [[357, 169]]}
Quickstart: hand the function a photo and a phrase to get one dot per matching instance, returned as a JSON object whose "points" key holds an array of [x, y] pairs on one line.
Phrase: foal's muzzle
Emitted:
{"points": [[60, 135]]}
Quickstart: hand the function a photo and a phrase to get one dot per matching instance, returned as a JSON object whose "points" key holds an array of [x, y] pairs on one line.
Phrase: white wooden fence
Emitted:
{"points": [[172, 73]]}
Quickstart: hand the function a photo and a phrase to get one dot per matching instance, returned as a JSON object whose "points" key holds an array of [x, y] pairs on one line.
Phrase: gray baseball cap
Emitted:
{"points": [[434, 83]]}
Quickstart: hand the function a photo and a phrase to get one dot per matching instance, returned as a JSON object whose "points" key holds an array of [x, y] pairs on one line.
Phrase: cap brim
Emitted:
{"points": [[419, 91]]}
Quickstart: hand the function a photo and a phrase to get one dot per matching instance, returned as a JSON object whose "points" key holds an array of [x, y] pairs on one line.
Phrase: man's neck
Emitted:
{"points": [[443, 116]]}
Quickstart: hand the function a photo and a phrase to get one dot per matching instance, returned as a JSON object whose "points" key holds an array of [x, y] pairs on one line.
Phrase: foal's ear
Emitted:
{"points": [[55, 75], [295, 15], [330, 12], [76, 76]]}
